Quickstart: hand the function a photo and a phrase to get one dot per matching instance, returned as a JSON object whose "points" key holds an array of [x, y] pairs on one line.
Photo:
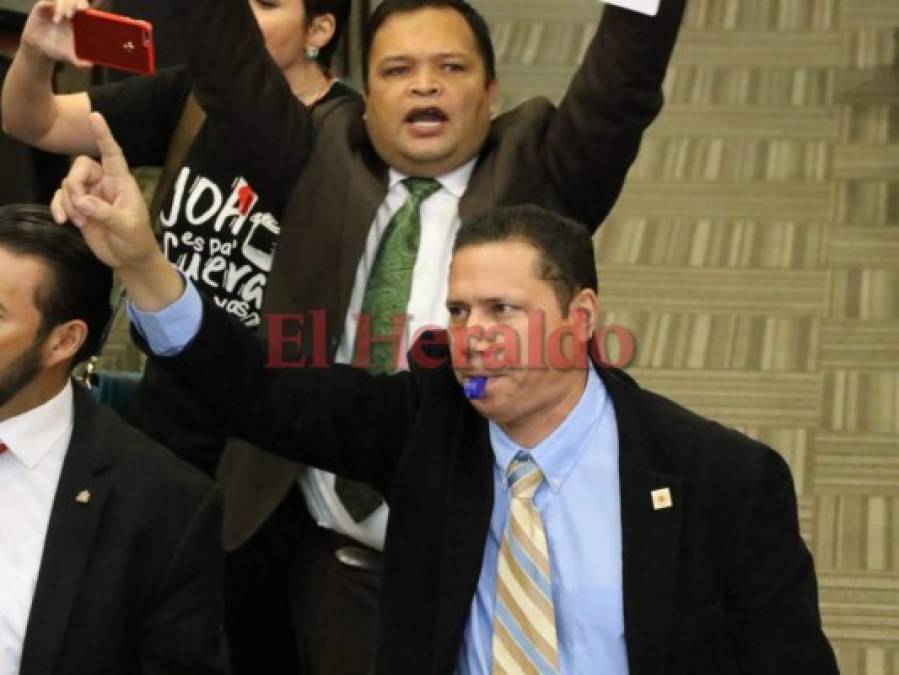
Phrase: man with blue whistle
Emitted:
{"points": [[548, 514]]}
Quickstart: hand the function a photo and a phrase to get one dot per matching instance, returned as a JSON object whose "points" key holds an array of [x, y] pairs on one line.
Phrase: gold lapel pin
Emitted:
{"points": [[83, 497], [661, 499]]}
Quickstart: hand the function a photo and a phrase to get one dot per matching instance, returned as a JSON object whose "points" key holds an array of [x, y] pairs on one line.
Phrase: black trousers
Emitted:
{"points": [[292, 606]]}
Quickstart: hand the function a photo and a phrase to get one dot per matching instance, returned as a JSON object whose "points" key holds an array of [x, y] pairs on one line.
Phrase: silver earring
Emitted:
{"points": [[312, 53]]}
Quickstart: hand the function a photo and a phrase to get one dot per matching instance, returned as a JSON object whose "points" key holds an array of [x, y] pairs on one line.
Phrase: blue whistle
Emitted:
{"points": [[474, 387]]}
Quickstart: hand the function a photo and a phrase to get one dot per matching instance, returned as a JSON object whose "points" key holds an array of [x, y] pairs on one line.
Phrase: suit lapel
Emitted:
{"points": [[650, 535], [70, 538], [468, 523], [480, 195]]}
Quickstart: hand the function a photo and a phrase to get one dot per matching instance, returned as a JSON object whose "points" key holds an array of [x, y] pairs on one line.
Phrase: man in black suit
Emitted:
{"points": [[564, 521], [108, 543]]}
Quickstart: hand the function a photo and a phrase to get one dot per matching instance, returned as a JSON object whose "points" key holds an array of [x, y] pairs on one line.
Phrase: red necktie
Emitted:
{"points": [[3, 448]]}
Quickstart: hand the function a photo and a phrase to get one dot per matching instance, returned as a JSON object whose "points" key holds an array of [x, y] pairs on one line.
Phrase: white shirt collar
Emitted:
{"points": [[32, 434], [455, 182]]}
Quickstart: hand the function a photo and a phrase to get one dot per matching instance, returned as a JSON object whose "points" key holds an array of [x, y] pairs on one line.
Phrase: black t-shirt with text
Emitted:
{"points": [[215, 227], [219, 230]]}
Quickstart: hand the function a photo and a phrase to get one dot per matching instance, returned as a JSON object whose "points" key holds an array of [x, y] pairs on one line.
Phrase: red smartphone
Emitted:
{"points": [[114, 40]]}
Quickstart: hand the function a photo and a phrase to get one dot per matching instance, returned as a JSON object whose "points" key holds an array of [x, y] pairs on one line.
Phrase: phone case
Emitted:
{"points": [[114, 40]]}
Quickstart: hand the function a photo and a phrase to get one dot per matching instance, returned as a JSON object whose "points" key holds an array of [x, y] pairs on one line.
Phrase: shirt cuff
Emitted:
{"points": [[168, 331]]}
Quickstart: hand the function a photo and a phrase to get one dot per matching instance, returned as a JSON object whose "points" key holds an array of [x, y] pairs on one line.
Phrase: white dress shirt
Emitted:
{"points": [[427, 307], [29, 474]]}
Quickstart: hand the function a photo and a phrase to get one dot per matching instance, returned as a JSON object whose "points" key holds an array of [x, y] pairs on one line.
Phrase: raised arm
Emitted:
{"points": [[244, 93], [341, 419], [615, 94], [338, 418], [31, 112]]}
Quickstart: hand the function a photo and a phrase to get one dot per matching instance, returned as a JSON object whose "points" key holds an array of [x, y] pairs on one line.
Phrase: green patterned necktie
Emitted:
{"points": [[386, 296]]}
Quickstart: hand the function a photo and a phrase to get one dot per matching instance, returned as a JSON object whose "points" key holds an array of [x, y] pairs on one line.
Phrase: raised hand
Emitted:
{"points": [[48, 30], [103, 199]]}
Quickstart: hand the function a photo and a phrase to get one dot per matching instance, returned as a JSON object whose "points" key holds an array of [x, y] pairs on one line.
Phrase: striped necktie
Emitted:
{"points": [[387, 295], [524, 623]]}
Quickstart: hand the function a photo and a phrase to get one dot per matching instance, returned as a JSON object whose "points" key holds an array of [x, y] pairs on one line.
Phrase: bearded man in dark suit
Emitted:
{"points": [[108, 543]]}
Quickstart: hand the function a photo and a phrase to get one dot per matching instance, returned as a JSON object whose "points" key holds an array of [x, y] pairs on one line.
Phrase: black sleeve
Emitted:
{"points": [[143, 112], [772, 600], [166, 413], [245, 95], [338, 418], [616, 93]]}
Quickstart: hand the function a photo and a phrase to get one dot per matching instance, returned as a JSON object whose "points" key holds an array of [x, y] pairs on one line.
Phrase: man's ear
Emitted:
{"points": [[584, 310], [320, 30], [63, 342]]}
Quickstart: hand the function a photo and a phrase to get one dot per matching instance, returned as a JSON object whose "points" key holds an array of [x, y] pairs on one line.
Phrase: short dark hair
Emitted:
{"points": [[474, 20], [564, 246], [77, 286], [340, 9]]}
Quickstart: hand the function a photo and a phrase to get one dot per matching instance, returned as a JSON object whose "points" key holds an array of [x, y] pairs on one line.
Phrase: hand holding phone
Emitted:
{"points": [[48, 32], [114, 40]]}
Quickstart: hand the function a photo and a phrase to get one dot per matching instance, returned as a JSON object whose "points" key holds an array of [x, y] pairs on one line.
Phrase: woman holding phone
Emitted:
{"points": [[222, 210], [219, 221]]}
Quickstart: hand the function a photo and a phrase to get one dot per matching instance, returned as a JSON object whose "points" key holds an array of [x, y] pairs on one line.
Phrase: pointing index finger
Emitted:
{"points": [[111, 156]]}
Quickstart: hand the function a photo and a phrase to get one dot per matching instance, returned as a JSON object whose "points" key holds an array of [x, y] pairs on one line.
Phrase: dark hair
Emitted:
{"points": [[564, 246], [77, 286], [475, 21], [341, 11]]}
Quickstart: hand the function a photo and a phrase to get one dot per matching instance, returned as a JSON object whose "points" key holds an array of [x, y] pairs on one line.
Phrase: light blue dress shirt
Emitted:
{"points": [[580, 504], [169, 330]]}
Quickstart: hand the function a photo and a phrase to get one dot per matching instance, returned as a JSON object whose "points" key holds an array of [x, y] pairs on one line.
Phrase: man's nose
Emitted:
{"points": [[427, 83], [478, 328]]}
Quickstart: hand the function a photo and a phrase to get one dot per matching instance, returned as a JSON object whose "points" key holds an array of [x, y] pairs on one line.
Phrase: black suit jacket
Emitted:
{"points": [[130, 582], [572, 158], [720, 584]]}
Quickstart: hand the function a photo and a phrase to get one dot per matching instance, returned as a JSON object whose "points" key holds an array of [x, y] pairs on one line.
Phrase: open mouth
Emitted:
{"points": [[425, 121]]}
